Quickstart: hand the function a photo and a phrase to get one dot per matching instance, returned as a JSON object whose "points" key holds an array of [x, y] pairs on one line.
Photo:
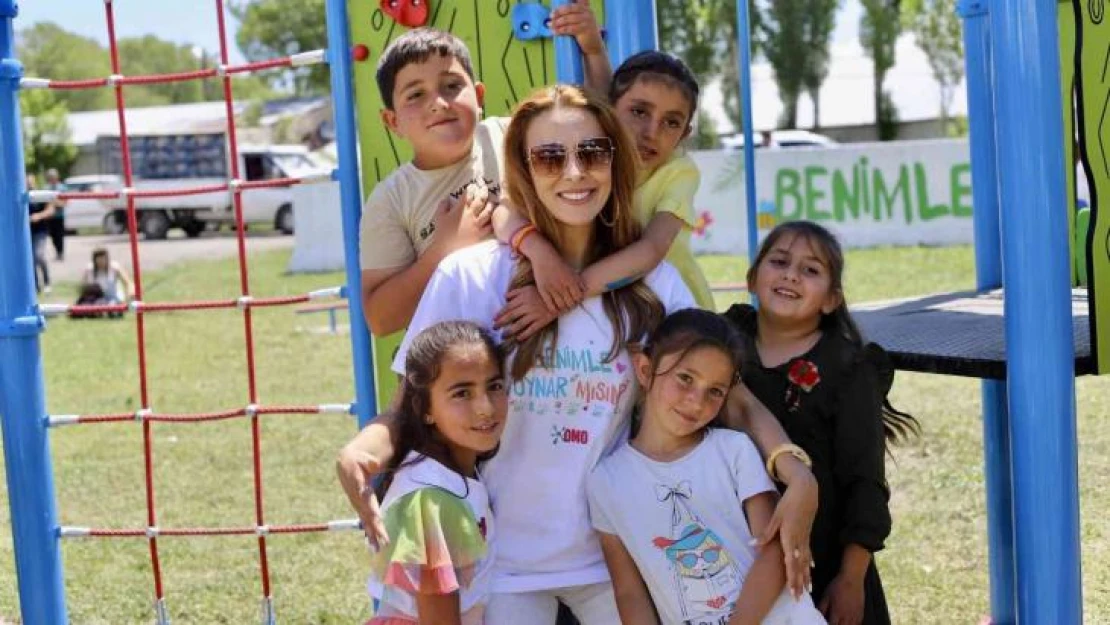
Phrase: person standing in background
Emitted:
{"points": [[57, 223], [40, 215]]}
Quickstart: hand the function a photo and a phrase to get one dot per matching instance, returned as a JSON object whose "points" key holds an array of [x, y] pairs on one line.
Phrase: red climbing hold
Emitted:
{"points": [[360, 53], [408, 13]]}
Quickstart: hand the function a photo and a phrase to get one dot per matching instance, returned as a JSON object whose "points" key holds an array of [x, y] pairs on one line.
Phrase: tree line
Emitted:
{"points": [[793, 36]]}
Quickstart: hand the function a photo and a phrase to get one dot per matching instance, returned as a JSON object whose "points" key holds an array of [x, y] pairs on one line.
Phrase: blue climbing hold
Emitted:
{"points": [[531, 21]]}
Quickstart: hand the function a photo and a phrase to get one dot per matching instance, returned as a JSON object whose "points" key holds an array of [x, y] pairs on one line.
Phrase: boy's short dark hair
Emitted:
{"points": [[417, 46]]}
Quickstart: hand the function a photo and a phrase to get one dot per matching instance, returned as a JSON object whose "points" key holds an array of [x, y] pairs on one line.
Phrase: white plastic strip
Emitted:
{"points": [[324, 176], [34, 83], [268, 617], [53, 310], [74, 532], [160, 612], [336, 408], [312, 57], [41, 196], [335, 291], [57, 420], [344, 525]]}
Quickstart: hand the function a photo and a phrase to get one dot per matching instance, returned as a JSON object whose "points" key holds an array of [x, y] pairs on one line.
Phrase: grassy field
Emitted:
{"points": [[935, 567]]}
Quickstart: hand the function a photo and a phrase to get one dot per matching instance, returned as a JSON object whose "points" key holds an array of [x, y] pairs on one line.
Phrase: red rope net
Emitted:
{"points": [[245, 302]]}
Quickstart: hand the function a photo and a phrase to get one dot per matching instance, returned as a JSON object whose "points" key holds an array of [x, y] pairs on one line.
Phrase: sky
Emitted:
{"points": [[194, 21], [181, 21], [845, 98]]}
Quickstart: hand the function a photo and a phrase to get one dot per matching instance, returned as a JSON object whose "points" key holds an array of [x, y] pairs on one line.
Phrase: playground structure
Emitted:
{"points": [[1029, 419]]}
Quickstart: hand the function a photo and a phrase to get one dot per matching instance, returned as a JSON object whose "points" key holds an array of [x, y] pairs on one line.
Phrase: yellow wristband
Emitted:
{"points": [[787, 448]]}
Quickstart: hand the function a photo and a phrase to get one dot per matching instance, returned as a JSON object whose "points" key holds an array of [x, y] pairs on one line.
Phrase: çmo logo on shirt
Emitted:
{"points": [[572, 436]]}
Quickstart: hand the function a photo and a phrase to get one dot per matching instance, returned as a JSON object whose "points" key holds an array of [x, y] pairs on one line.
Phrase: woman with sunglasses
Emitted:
{"points": [[571, 169]]}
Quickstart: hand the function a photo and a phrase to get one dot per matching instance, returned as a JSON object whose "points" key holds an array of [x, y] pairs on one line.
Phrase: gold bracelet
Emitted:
{"points": [[786, 448]]}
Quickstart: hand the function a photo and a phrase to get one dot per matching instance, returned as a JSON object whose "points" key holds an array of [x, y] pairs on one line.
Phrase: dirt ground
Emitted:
{"points": [[155, 254]]}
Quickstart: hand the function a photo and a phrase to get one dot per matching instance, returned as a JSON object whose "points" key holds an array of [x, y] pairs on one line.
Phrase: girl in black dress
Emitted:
{"points": [[807, 362]]}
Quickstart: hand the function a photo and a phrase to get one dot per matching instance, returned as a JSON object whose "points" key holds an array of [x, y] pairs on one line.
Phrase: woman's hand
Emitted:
{"points": [[792, 522], [356, 470]]}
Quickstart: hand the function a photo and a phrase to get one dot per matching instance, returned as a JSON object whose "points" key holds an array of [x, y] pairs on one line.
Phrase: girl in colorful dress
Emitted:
{"points": [[452, 409], [805, 359], [678, 505]]}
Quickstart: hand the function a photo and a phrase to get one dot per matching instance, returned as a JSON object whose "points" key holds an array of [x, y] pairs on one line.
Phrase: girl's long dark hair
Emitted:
{"points": [[898, 426], [422, 367]]}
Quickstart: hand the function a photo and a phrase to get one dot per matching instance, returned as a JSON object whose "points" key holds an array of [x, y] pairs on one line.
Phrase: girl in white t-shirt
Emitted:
{"points": [[678, 505], [451, 411]]}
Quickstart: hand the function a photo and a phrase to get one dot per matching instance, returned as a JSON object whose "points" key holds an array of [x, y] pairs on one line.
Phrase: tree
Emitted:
{"points": [[46, 135], [880, 26], [939, 34], [49, 51], [271, 28], [820, 20], [703, 32], [783, 43]]}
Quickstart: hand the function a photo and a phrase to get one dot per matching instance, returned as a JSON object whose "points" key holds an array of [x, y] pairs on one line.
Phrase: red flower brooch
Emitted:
{"points": [[803, 376]]}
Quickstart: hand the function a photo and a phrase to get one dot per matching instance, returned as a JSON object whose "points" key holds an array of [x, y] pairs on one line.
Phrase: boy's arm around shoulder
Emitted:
{"points": [[636, 260], [673, 211]]}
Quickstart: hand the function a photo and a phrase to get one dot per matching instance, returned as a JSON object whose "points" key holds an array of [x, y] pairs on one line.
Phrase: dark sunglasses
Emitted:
{"points": [[550, 159]]}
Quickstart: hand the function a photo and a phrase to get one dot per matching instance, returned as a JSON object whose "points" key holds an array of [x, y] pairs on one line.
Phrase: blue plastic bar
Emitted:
{"points": [[1036, 272], [744, 36], [568, 59], [630, 28], [350, 194], [38, 558], [988, 269]]}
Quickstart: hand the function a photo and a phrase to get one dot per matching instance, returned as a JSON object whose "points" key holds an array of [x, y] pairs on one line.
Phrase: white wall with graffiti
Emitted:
{"points": [[898, 193]]}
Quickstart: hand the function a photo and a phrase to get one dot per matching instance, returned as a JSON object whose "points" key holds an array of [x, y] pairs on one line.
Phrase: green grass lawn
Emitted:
{"points": [[935, 567]]}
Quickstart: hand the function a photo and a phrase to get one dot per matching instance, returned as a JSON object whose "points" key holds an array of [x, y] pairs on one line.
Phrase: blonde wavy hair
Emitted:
{"points": [[633, 309]]}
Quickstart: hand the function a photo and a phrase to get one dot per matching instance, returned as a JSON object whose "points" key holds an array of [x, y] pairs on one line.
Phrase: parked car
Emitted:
{"points": [[780, 139], [92, 214]]}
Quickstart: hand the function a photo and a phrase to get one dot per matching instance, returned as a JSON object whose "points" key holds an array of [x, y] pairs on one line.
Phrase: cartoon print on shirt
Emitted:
{"points": [[706, 576]]}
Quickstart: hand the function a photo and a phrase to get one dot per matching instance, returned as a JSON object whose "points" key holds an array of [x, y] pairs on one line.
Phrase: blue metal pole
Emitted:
{"points": [[988, 267], [350, 194], [630, 28], [1039, 351], [568, 59], [743, 34], [38, 558]]}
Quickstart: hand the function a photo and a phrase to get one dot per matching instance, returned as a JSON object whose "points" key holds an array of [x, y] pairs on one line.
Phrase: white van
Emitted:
{"points": [[183, 162]]}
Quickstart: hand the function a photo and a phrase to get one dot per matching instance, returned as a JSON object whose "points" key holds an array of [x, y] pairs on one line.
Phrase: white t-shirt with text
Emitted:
{"points": [[561, 421]]}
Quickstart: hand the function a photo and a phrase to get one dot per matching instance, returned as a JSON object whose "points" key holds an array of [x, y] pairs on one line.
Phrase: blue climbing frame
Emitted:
{"points": [[1021, 242]]}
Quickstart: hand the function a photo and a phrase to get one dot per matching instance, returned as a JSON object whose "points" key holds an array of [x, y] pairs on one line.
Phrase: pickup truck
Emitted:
{"points": [[173, 162]]}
